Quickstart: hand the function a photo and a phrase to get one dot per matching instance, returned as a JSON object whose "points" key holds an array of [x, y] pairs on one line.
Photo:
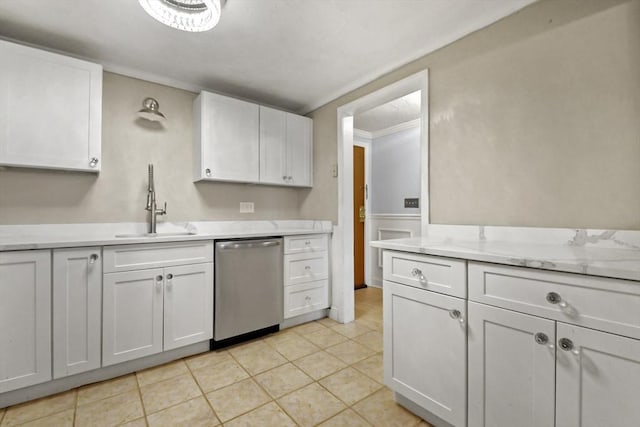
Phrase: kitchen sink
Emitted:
{"points": [[152, 235]]}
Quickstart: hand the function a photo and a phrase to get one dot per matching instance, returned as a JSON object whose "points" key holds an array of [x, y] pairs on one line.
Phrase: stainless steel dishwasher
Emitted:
{"points": [[248, 289]]}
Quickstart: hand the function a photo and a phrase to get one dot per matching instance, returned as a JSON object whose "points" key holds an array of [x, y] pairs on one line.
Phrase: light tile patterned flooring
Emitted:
{"points": [[320, 373]]}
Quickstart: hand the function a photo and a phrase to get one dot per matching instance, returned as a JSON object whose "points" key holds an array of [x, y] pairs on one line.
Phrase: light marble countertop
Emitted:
{"points": [[607, 253], [47, 236]]}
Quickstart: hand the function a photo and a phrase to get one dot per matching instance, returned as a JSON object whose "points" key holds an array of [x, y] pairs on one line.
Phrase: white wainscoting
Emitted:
{"points": [[384, 227]]}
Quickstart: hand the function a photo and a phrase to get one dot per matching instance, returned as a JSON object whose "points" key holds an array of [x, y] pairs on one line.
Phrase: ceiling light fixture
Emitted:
{"points": [[185, 15]]}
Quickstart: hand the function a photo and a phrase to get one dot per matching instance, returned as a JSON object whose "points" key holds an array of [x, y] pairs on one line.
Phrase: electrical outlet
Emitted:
{"points": [[412, 203], [246, 207]]}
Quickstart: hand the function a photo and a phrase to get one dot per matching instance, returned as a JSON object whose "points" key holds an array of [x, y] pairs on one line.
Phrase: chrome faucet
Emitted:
{"points": [[151, 204]]}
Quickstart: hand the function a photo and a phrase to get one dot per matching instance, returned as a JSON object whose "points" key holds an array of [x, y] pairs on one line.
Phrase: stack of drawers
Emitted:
{"points": [[306, 274]]}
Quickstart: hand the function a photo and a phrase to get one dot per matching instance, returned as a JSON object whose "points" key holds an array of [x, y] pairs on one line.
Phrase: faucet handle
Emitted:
{"points": [[164, 211]]}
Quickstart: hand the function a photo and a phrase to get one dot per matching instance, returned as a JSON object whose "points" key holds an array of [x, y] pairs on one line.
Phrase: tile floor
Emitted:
{"points": [[320, 373]]}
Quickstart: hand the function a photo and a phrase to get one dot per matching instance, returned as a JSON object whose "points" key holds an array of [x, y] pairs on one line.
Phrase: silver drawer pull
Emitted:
{"points": [[554, 298], [541, 338], [456, 314], [567, 345], [416, 272], [93, 258]]}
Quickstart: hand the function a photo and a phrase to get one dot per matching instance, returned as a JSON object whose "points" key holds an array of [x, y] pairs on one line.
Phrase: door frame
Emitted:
{"points": [[343, 306]]}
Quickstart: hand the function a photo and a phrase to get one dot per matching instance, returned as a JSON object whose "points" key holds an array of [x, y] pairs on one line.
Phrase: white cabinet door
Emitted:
{"points": [[299, 150], [77, 310], [597, 379], [50, 110], [226, 139], [25, 319], [511, 375], [132, 315], [188, 305], [273, 146], [425, 350]]}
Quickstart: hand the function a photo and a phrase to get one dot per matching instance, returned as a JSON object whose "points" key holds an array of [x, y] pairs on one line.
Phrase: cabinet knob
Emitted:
{"points": [[93, 258], [284, 177], [93, 162], [207, 172], [307, 267], [567, 345], [416, 272], [554, 298], [169, 276], [541, 338], [456, 314]]}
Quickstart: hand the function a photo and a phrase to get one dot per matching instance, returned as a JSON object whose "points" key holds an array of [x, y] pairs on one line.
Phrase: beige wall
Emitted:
{"points": [[534, 121], [118, 193]]}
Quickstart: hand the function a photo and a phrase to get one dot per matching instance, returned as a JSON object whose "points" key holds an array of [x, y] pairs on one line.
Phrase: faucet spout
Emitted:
{"points": [[152, 206]]}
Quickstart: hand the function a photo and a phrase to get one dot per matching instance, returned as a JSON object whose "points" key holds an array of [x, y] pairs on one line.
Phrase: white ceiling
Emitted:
{"points": [[393, 113], [293, 54]]}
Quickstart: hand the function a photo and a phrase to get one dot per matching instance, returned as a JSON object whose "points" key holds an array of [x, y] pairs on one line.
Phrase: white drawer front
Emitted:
{"points": [[444, 275], [154, 255], [305, 298], [610, 305], [305, 243], [305, 267]]}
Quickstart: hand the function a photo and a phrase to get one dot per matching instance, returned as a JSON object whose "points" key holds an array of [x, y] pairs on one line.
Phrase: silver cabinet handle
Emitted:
{"points": [[541, 338], [456, 314], [159, 279], [284, 177], [567, 345], [554, 298], [93, 258], [207, 172], [416, 272], [93, 162], [169, 277]]}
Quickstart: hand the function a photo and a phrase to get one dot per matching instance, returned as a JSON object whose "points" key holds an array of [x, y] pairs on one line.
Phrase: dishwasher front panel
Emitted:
{"points": [[249, 290]]}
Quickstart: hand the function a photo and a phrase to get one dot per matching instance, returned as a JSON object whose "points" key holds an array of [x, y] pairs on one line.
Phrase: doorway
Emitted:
{"points": [[342, 308]]}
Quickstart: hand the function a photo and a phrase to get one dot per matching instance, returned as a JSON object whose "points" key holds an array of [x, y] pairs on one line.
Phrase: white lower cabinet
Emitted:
{"points": [[598, 379], [188, 305], [425, 349], [148, 311], [306, 274], [529, 370], [77, 310], [511, 368], [25, 318], [132, 315]]}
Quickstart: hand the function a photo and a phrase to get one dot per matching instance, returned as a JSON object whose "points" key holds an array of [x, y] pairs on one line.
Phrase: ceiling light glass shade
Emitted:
{"points": [[185, 15]]}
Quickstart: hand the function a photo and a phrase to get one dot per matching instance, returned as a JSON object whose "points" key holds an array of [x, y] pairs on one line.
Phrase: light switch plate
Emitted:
{"points": [[246, 207]]}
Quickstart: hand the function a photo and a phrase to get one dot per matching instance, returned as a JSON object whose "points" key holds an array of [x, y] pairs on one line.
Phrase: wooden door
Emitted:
{"points": [[511, 368], [597, 378], [77, 310], [358, 217], [425, 349]]}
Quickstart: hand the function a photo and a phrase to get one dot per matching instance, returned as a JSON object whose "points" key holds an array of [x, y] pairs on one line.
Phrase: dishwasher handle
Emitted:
{"points": [[245, 245]]}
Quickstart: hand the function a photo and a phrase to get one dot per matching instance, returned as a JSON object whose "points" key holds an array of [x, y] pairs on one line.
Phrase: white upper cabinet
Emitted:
{"points": [[285, 148], [240, 141], [50, 110], [226, 142]]}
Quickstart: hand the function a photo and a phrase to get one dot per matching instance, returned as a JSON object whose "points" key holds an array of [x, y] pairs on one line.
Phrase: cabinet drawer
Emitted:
{"points": [[305, 298], [305, 267], [443, 275], [611, 305], [305, 243], [153, 255]]}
